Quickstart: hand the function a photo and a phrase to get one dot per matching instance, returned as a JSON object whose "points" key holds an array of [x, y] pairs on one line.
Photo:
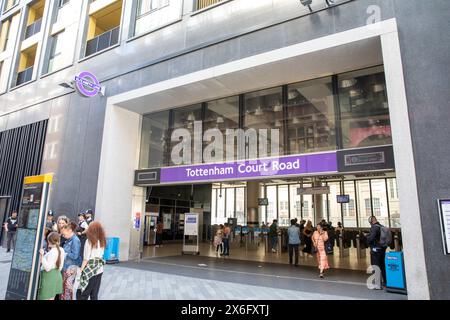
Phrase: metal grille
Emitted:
{"points": [[206, 3], [21, 151]]}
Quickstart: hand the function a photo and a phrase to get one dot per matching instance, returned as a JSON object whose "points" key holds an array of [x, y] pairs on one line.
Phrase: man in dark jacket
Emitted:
{"points": [[11, 229], [377, 252]]}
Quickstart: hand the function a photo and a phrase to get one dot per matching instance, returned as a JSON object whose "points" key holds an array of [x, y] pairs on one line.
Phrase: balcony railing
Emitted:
{"points": [[34, 28], [201, 4], [24, 76], [103, 41]]}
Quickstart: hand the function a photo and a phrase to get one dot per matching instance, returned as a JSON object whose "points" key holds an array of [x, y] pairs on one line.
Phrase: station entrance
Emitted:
{"points": [[345, 202]]}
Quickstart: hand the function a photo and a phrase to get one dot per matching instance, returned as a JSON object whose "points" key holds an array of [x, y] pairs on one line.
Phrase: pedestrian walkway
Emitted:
{"points": [[204, 278]]}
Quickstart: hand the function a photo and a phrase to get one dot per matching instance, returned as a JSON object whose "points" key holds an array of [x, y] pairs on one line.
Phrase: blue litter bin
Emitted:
{"points": [[395, 272], [111, 254]]}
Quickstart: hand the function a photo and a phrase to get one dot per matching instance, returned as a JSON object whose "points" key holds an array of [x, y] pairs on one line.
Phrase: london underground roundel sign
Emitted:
{"points": [[87, 84]]}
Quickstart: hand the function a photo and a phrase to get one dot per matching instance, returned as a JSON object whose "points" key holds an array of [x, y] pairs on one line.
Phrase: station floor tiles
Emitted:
{"points": [[279, 276], [206, 278], [258, 253]]}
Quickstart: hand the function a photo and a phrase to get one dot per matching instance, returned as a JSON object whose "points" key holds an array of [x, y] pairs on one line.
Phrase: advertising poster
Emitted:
{"points": [[191, 224], [444, 209]]}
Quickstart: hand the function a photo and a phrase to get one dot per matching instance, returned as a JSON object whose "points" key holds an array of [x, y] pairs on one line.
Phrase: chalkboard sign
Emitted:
{"points": [[24, 272]]}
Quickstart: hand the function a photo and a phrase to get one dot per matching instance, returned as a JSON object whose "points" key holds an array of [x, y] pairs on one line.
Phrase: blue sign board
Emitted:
{"points": [[395, 272], [245, 230], [237, 229]]}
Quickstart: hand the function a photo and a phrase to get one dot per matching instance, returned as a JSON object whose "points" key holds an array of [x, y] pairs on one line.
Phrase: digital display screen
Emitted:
{"points": [[343, 198]]}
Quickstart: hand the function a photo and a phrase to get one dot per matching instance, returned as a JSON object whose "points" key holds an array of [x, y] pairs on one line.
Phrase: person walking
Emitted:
{"points": [[218, 242], [293, 242], [92, 265], [72, 260], [226, 240], [273, 234], [319, 238], [11, 229], [307, 234], [377, 250], [51, 282], [159, 233]]}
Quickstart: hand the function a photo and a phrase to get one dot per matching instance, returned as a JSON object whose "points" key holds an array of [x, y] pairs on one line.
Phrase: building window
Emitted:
{"points": [[26, 65], [54, 58], [103, 28], [364, 108], [62, 3], [9, 4], [4, 34], [34, 20], [201, 4], [146, 6], [311, 117], [264, 114]]}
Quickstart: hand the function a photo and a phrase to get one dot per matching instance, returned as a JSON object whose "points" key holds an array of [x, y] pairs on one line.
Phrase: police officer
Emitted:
{"points": [[11, 228], [50, 223], [88, 214]]}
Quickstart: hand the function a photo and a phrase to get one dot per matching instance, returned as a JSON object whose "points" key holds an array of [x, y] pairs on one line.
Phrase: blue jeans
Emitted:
{"points": [[226, 246], [274, 242]]}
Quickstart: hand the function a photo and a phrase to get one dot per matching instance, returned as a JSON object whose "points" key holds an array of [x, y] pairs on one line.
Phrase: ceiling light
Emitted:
{"points": [[259, 111], [278, 108], [348, 83], [220, 120], [354, 93], [191, 117], [378, 88], [278, 123], [295, 120], [292, 94]]}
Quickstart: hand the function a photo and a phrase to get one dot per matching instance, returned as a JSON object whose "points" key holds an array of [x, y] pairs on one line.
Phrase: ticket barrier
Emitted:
{"points": [[360, 251], [343, 252]]}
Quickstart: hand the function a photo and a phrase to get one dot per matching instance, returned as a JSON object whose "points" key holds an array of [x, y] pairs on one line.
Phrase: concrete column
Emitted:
{"points": [[410, 217], [318, 204], [253, 193]]}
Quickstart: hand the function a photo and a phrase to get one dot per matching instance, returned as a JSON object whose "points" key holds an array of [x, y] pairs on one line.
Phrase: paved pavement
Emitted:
{"points": [[181, 278]]}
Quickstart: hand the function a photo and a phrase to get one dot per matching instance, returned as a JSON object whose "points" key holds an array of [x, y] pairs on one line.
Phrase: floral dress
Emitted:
{"points": [[319, 241]]}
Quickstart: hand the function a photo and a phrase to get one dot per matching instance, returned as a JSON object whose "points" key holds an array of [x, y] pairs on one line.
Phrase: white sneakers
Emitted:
{"points": [[274, 251]]}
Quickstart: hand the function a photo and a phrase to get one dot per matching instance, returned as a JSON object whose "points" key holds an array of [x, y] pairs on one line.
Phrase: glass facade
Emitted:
{"points": [[344, 111], [364, 109], [311, 116], [371, 196]]}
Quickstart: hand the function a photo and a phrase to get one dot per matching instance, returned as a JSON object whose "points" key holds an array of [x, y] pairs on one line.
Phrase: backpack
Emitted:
{"points": [[385, 237]]}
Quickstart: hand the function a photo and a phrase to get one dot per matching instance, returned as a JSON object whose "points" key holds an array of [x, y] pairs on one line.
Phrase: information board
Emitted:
{"points": [[25, 265], [444, 213], [191, 233]]}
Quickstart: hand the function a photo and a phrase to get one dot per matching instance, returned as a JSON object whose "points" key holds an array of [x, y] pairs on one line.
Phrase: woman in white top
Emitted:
{"points": [[92, 266], [51, 283]]}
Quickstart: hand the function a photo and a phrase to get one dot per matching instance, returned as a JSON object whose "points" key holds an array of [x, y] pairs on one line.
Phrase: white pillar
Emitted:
{"points": [[115, 208], [415, 266]]}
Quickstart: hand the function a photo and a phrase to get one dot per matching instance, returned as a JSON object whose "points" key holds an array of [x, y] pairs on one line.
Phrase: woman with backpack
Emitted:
{"points": [[51, 282], [378, 240]]}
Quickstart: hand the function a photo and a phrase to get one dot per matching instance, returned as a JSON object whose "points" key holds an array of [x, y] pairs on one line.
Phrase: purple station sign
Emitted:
{"points": [[87, 84], [261, 168]]}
